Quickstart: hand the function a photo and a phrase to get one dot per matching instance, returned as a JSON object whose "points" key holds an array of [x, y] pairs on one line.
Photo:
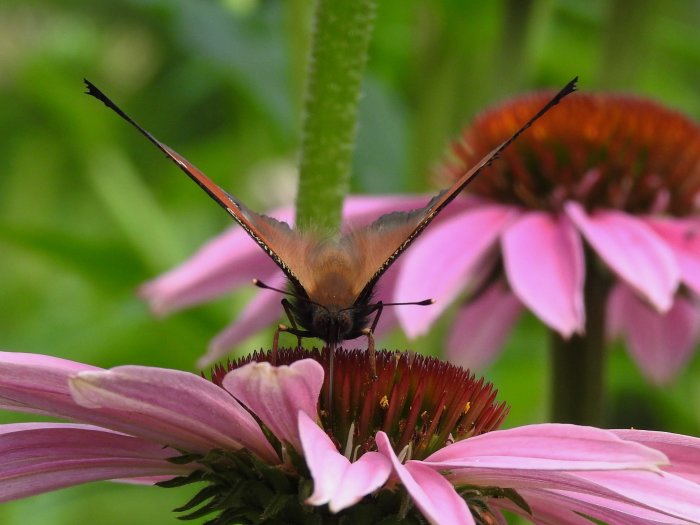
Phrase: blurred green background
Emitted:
{"points": [[89, 209]]}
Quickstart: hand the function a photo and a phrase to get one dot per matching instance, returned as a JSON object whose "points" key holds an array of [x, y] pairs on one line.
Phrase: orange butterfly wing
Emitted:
{"points": [[280, 242], [362, 256], [387, 238]]}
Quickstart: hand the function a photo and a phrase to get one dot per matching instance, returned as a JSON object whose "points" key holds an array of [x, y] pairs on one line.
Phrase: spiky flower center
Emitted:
{"points": [[420, 402], [602, 150]]}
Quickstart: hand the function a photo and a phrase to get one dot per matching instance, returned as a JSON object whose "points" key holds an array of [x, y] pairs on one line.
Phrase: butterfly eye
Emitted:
{"points": [[320, 320], [344, 323]]}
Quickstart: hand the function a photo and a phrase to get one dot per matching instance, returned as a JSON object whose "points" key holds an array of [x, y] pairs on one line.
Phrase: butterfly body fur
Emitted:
{"points": [[333, 279], [328, 275]]}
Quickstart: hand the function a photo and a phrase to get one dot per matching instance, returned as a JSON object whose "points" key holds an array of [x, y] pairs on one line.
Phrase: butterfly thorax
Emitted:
{"points": [[332, 323], [333, 312]]}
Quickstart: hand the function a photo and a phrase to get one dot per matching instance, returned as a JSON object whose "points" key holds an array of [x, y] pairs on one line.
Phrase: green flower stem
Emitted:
{"points": [[578, 364], [340, 41]]}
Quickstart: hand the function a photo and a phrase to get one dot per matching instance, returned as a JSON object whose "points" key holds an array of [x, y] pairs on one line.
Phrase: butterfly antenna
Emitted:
{"points": [[424, 302], [260, 284]]}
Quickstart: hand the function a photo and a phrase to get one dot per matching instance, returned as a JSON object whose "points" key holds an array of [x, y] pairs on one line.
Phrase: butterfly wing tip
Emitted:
{"points": [[93, 91], [568, 89]]}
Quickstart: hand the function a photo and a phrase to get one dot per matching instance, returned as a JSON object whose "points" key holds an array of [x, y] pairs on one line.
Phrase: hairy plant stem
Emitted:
{"points": [[342, 31], [578, 364]]}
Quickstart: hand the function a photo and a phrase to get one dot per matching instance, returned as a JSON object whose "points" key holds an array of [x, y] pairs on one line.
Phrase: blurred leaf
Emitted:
{"points": [[380, 157], [251, 49], [133, 208], [89, 258]]}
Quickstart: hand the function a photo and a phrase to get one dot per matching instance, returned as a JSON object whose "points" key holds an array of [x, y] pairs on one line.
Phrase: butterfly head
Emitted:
{"points": [[332, 324]]}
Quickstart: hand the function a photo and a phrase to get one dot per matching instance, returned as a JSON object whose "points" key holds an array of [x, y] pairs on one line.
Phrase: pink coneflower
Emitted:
{"points": [[594, 208], [419, 442]]}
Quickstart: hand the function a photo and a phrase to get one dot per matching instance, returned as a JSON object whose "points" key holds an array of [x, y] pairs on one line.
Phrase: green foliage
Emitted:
{"points": [[89, 211], [240, 489]]}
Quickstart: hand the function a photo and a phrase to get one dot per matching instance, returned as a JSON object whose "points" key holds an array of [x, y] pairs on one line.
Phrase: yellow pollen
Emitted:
{"points": [[467, 407], [384, 402]]}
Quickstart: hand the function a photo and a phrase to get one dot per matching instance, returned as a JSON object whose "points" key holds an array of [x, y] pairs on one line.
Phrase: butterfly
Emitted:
{"points": [[332, 279]]}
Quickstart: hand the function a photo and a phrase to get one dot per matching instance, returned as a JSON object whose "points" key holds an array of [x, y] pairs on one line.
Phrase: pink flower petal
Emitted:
{"points": [[623, 490], [337, 481], [683, 237], [171, 407], [661, 344], [431, 492], [599, 493], [666, 493], [39, 384], [632, 250], [276, 394], [544, 263], [683, 452], [442, 261], [547, 447], [481, 327], [613, 511], [142, 480], [44, 364], [521, 479], [553, 507], [40, 457], [260, 313], [325, 463], [362, 477]]}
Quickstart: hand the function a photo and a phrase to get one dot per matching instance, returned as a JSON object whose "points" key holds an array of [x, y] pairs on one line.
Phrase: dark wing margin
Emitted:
{"points": [[409, 225], [261, 228]]}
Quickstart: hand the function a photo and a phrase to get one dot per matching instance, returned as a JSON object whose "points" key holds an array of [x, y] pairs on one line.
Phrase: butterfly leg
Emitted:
{"points": [[380, 308], [369, 332], [275, 340], [275, 343], [288, 310], [371, 351]]}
